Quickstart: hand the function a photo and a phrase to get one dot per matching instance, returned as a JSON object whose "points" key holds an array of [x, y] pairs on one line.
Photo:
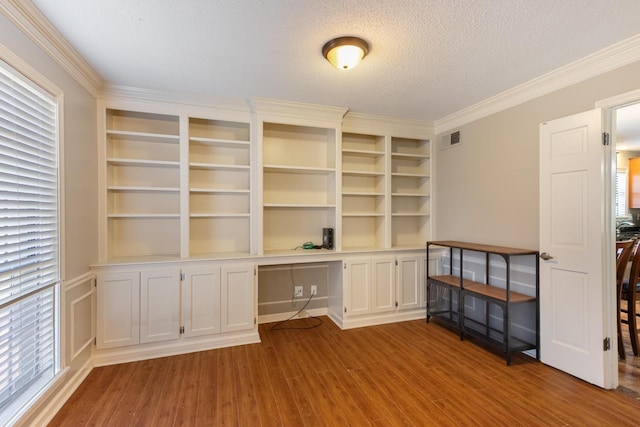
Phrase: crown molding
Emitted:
{"points": [[619, 100], [607, 59], [383, 125], [190, 100], [38, 29], [292, 112]]}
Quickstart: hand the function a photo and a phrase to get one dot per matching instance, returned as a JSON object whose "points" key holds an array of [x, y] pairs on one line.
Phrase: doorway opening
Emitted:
{"points": [[624, 124]]}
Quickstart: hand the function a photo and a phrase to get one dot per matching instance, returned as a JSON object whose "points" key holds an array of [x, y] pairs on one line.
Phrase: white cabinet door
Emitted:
{"points": [[383, 284], [369, 285], [423, 278], [237, 298], [118, 310], [357, 285], [409, 282], [201, 301], [159, 305]]}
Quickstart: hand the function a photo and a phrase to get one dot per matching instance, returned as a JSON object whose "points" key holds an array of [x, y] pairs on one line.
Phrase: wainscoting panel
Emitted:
{"points": [[78, 297]]}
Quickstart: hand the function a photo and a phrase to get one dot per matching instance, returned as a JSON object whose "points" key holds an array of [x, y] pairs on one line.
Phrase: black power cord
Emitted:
{"points": [[278, 326]]}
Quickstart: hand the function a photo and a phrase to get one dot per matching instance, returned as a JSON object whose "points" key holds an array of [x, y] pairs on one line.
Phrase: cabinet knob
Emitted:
{"points": [[545, 256]]}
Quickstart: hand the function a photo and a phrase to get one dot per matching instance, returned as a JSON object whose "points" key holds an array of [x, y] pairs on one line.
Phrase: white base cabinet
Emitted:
{"points": [[412, 273], [383, 284], [148, 310], [159, 305], [201, 301], [410, 282], [238, 304], [138, 307], [218, 299], [118, 310], [140, 310], [369, 285], [378, 289], [357, 287]]}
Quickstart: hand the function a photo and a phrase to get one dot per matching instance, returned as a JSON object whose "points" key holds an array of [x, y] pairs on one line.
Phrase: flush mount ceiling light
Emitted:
{"points": [[345, 52]]}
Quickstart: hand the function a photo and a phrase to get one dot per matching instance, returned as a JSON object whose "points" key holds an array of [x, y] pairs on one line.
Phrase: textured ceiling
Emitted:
{"points": [[428, 58]]}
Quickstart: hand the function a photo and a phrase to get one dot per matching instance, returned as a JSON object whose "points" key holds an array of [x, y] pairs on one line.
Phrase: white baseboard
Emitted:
{"points": [[279, 317], [376, 318], [134, 353]]}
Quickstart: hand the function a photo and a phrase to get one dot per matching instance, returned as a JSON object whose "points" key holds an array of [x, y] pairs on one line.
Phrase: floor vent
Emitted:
{"points": [[451, 140]]}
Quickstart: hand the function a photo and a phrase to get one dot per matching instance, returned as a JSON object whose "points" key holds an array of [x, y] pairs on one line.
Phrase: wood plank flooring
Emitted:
{"points": [[403, 374], [629, 369]]}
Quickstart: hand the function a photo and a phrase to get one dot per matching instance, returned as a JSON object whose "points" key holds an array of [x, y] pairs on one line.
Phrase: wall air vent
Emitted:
{"points": [[451, 140]]}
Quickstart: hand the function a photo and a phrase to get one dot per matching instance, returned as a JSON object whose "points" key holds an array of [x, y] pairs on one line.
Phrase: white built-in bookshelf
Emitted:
{"points": [[386, 183], [219, 187], [183, 181], [364, 191], [298, 176], [410, 191], [142, 183]]}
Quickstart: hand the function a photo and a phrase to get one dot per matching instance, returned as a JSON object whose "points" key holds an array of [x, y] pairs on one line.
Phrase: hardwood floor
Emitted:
{"points": [[409, 373], [629, 369]]}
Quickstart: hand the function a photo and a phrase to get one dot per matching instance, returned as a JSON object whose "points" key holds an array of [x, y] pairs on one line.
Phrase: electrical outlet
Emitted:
{"points": [[297, 291], [314, 290]]}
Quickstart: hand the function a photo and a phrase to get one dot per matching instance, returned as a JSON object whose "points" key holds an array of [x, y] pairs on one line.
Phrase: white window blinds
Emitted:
{"points": [[29, 260], [621, 192]]}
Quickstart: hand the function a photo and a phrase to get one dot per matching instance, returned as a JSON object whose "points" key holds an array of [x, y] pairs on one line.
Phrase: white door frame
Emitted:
{"points": [[608, 106]]}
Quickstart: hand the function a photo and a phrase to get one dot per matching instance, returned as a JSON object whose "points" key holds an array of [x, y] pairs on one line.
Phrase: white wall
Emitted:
{"points": [[486, 189], [276, 283]]}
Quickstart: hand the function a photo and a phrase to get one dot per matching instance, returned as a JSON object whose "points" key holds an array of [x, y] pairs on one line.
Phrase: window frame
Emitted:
{"points": [[24, 404], [625, 183]]}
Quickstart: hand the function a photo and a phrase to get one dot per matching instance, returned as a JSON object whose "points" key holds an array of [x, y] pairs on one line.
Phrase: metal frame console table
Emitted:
{"points": [[446, 297]]}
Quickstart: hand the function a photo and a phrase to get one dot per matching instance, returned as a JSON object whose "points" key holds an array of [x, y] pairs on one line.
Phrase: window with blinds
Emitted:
{"points": [[621, 192], [29, 240]]}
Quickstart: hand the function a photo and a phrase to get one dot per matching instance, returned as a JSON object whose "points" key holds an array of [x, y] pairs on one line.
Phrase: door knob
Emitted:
{"points": [[545, 256]]}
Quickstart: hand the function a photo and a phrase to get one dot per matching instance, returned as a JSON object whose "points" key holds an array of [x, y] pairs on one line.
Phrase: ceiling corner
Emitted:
{"points": [[39, 30]]}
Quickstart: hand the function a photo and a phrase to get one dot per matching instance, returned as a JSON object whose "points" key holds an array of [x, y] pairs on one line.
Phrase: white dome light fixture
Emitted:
{"points": [[345, 52]]}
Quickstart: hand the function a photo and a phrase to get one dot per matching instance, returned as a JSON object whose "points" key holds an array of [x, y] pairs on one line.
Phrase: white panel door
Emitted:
{"points": [[357, 285], [201, 301], [409, 282], [118, 310], [159, 305], [237, 298], [571, 220], [383, 284]]}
